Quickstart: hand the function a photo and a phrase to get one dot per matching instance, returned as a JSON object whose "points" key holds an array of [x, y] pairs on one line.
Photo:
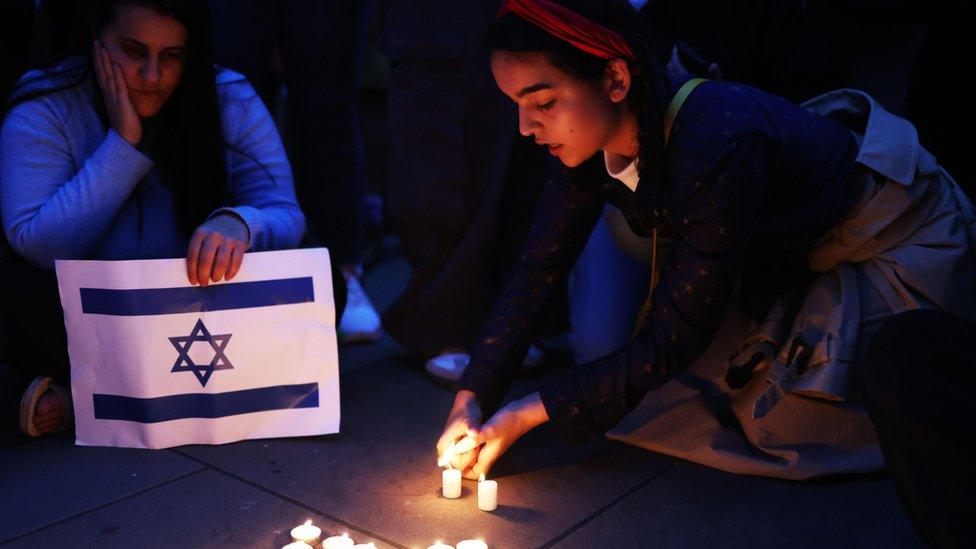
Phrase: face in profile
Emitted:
{"points": [[573, 118], [150, 48]]}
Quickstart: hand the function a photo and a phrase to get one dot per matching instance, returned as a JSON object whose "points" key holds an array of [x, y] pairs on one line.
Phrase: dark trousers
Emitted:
{"points": [[919, 379], [321, 45]]}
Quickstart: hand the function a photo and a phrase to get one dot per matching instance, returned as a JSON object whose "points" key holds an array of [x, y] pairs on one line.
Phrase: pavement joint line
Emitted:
{"points": [[603, 509], [293, 501], [103, 505]]}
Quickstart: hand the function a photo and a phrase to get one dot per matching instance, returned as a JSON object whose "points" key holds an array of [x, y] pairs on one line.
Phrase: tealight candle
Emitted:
{"points": [[306, 533], [297, 545], [338, 542], [451, 483], [472, 544], [439, 545], [487, 494]]}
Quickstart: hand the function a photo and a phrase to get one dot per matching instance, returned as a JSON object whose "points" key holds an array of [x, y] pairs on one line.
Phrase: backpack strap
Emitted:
{"points": [[679, 99], [669, 115]]}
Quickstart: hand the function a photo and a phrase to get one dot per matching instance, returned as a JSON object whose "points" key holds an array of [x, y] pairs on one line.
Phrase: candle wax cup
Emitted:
{"points": [[306, 533], [338, 542], [451, 483], [487, 495]]}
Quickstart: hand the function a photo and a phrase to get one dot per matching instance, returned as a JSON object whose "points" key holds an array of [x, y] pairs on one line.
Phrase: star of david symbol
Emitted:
{"points": [[203, 371]]}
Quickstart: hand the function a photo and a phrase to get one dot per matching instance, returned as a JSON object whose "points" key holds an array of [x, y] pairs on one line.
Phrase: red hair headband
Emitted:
{"points": [[571, 27]]}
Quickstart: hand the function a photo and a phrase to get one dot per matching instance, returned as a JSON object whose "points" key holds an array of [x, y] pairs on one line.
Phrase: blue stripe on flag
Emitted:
{"points": [[194, 299], [168, 408]]}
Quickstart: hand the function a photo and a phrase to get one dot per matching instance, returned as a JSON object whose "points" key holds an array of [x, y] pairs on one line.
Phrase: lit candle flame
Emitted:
{"points": [[308, 522], [481, 477], [445, 460]]}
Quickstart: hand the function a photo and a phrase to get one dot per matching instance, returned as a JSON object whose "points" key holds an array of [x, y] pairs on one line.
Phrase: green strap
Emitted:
{"points": [[676, 103]]}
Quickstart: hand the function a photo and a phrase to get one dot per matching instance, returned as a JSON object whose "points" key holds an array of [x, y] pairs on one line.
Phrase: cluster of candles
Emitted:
{"points": [[308, 535], [487, 489], [451, 478]]}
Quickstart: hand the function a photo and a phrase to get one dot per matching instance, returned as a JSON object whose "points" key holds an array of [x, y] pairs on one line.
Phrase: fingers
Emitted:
{"points": [[465, 451], [99, 62], [452, 432], [106, 72], [496, 436], [193, 255], [121, 90], [489, 454], [216, 252], [228, 260], [236, 260], [221, 261], [466, 460], [468, 443], [107, 80], [208, 251]]}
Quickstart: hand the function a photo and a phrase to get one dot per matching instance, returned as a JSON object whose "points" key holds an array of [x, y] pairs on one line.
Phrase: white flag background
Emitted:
{"points": [[156, 362]]}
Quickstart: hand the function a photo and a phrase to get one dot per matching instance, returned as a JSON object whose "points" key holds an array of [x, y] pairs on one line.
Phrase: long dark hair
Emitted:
{"points": [[645, 98], [188, 148]]}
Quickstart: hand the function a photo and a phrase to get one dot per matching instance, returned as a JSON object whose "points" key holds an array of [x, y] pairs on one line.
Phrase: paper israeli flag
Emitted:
{"points": [[156, 362]]}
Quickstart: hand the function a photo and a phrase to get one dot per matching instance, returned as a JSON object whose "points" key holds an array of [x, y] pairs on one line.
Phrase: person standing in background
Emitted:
{"points": [[321, 47], [462, 184]]}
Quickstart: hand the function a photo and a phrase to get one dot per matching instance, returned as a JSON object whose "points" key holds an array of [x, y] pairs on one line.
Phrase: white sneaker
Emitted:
{"points": [[360, 323], [448, 366]]}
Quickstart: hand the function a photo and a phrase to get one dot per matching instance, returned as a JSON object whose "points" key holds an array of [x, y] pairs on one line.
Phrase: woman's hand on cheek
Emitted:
{"points": [[121, 113], [216, 250], [503, 429]]}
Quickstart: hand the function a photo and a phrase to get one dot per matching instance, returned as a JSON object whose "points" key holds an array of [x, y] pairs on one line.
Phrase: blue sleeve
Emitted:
{"points": [[52, 210], [262, 192], [717, 215]]}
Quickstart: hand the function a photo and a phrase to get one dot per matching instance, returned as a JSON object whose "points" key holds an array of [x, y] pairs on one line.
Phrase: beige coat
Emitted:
{"points": [[908, 243]]}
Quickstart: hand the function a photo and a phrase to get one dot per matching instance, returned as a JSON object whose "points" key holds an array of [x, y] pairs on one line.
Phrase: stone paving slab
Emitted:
{"points": [[380, 473], [204, 509], [693, 506], [48, 479], [378, 480]]}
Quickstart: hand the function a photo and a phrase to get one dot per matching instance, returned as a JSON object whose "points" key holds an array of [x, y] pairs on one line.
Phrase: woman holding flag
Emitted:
{"points": [[143, 149]]}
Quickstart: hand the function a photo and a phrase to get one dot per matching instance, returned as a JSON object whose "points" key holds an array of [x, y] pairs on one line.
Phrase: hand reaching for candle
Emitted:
{"points": [[503, 429], [462, 425]]}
